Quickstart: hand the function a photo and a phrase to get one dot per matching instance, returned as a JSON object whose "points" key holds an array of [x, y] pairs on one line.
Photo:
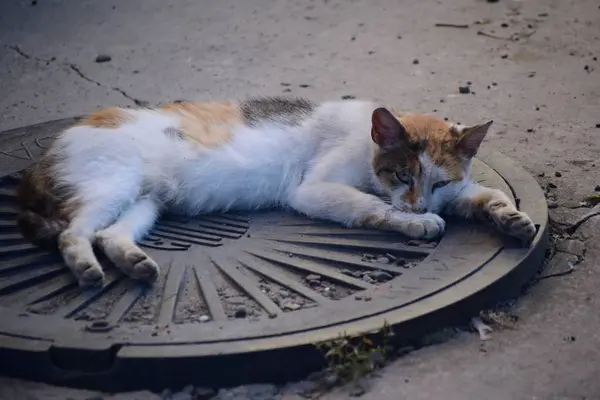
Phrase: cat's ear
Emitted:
{"points": [[387, 131], [471, 138]]}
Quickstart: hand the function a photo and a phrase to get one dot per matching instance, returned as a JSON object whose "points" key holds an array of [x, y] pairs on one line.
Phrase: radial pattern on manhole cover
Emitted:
{"points": [[241, 285]]}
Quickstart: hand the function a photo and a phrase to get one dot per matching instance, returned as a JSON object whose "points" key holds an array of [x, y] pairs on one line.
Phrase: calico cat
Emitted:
{"points": [[105, 180]]}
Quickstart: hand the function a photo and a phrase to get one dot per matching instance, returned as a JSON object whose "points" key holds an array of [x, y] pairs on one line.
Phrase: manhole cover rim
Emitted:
{"points": [[529, 203]]}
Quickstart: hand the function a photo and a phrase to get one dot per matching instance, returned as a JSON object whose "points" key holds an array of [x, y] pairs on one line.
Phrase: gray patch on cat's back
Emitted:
{"points": [[283, 110], [174, 133]]}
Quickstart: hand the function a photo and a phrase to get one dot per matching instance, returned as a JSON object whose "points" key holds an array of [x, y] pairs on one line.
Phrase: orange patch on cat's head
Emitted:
{"points": [[110, 118], [438, 140]]}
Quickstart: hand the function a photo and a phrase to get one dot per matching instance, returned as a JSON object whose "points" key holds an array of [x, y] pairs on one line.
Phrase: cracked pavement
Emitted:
{"points": [[534, 70], [78, 72]]}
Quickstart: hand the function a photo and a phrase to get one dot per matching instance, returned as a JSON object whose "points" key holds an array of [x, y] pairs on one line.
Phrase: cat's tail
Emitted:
{"points": [[38, 220]]}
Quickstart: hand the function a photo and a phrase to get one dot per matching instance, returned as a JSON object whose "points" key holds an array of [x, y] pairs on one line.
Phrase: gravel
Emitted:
{"points": [[380, 276]]}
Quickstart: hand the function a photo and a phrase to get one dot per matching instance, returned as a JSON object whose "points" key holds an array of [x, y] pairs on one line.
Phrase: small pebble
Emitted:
{"points": [[494, 84], [331, 379], [289, 305], [368, 279], [204, 318], [380, 276], [529, 130], [204, 393], [415, 61], [504, 56], [348, 272], [240, 313], [304, 85], [464, 90], [597, 125], [102, 58], [557, 174], [313, 277], [391, 257], [383, 260], [284, 293], [542, 174], [357, 390], [551, 185], [504, 25], [586, 68]]}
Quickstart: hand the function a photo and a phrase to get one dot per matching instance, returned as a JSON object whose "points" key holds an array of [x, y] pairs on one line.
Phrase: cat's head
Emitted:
{"points": [[422, 161]]}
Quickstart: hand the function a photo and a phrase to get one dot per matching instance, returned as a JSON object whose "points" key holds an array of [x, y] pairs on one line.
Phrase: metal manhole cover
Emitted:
{"points": [[241, 295]]}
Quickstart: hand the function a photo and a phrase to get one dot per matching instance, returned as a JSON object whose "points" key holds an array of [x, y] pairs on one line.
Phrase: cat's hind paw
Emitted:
{"points": [[89, 275]]}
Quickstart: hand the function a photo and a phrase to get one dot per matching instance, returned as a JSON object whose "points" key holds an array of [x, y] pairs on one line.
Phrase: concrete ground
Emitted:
{"points": [[534, 71]]}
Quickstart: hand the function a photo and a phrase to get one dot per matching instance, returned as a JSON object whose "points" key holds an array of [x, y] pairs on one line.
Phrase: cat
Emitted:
{"points": [[105, 180]]}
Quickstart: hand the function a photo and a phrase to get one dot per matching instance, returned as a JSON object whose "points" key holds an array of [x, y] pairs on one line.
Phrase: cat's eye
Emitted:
{"points": [[440, 184], [403, 177]]}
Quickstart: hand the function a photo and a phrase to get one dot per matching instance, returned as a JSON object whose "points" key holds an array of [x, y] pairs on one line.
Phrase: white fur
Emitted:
{"points": [[125, 177], [260, 167]]}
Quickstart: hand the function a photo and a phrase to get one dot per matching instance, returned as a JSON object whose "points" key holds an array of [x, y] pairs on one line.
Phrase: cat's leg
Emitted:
{"points": [[118, 241], [75, 244], [351, 207], [480, 202]]}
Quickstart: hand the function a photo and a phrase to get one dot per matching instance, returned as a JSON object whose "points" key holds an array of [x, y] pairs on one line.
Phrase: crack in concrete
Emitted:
{"points": [[74, 68]]}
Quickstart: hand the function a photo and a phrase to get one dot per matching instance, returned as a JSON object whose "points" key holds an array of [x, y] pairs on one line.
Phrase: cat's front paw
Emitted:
{"points": [[513, 222], [418, 226]]}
